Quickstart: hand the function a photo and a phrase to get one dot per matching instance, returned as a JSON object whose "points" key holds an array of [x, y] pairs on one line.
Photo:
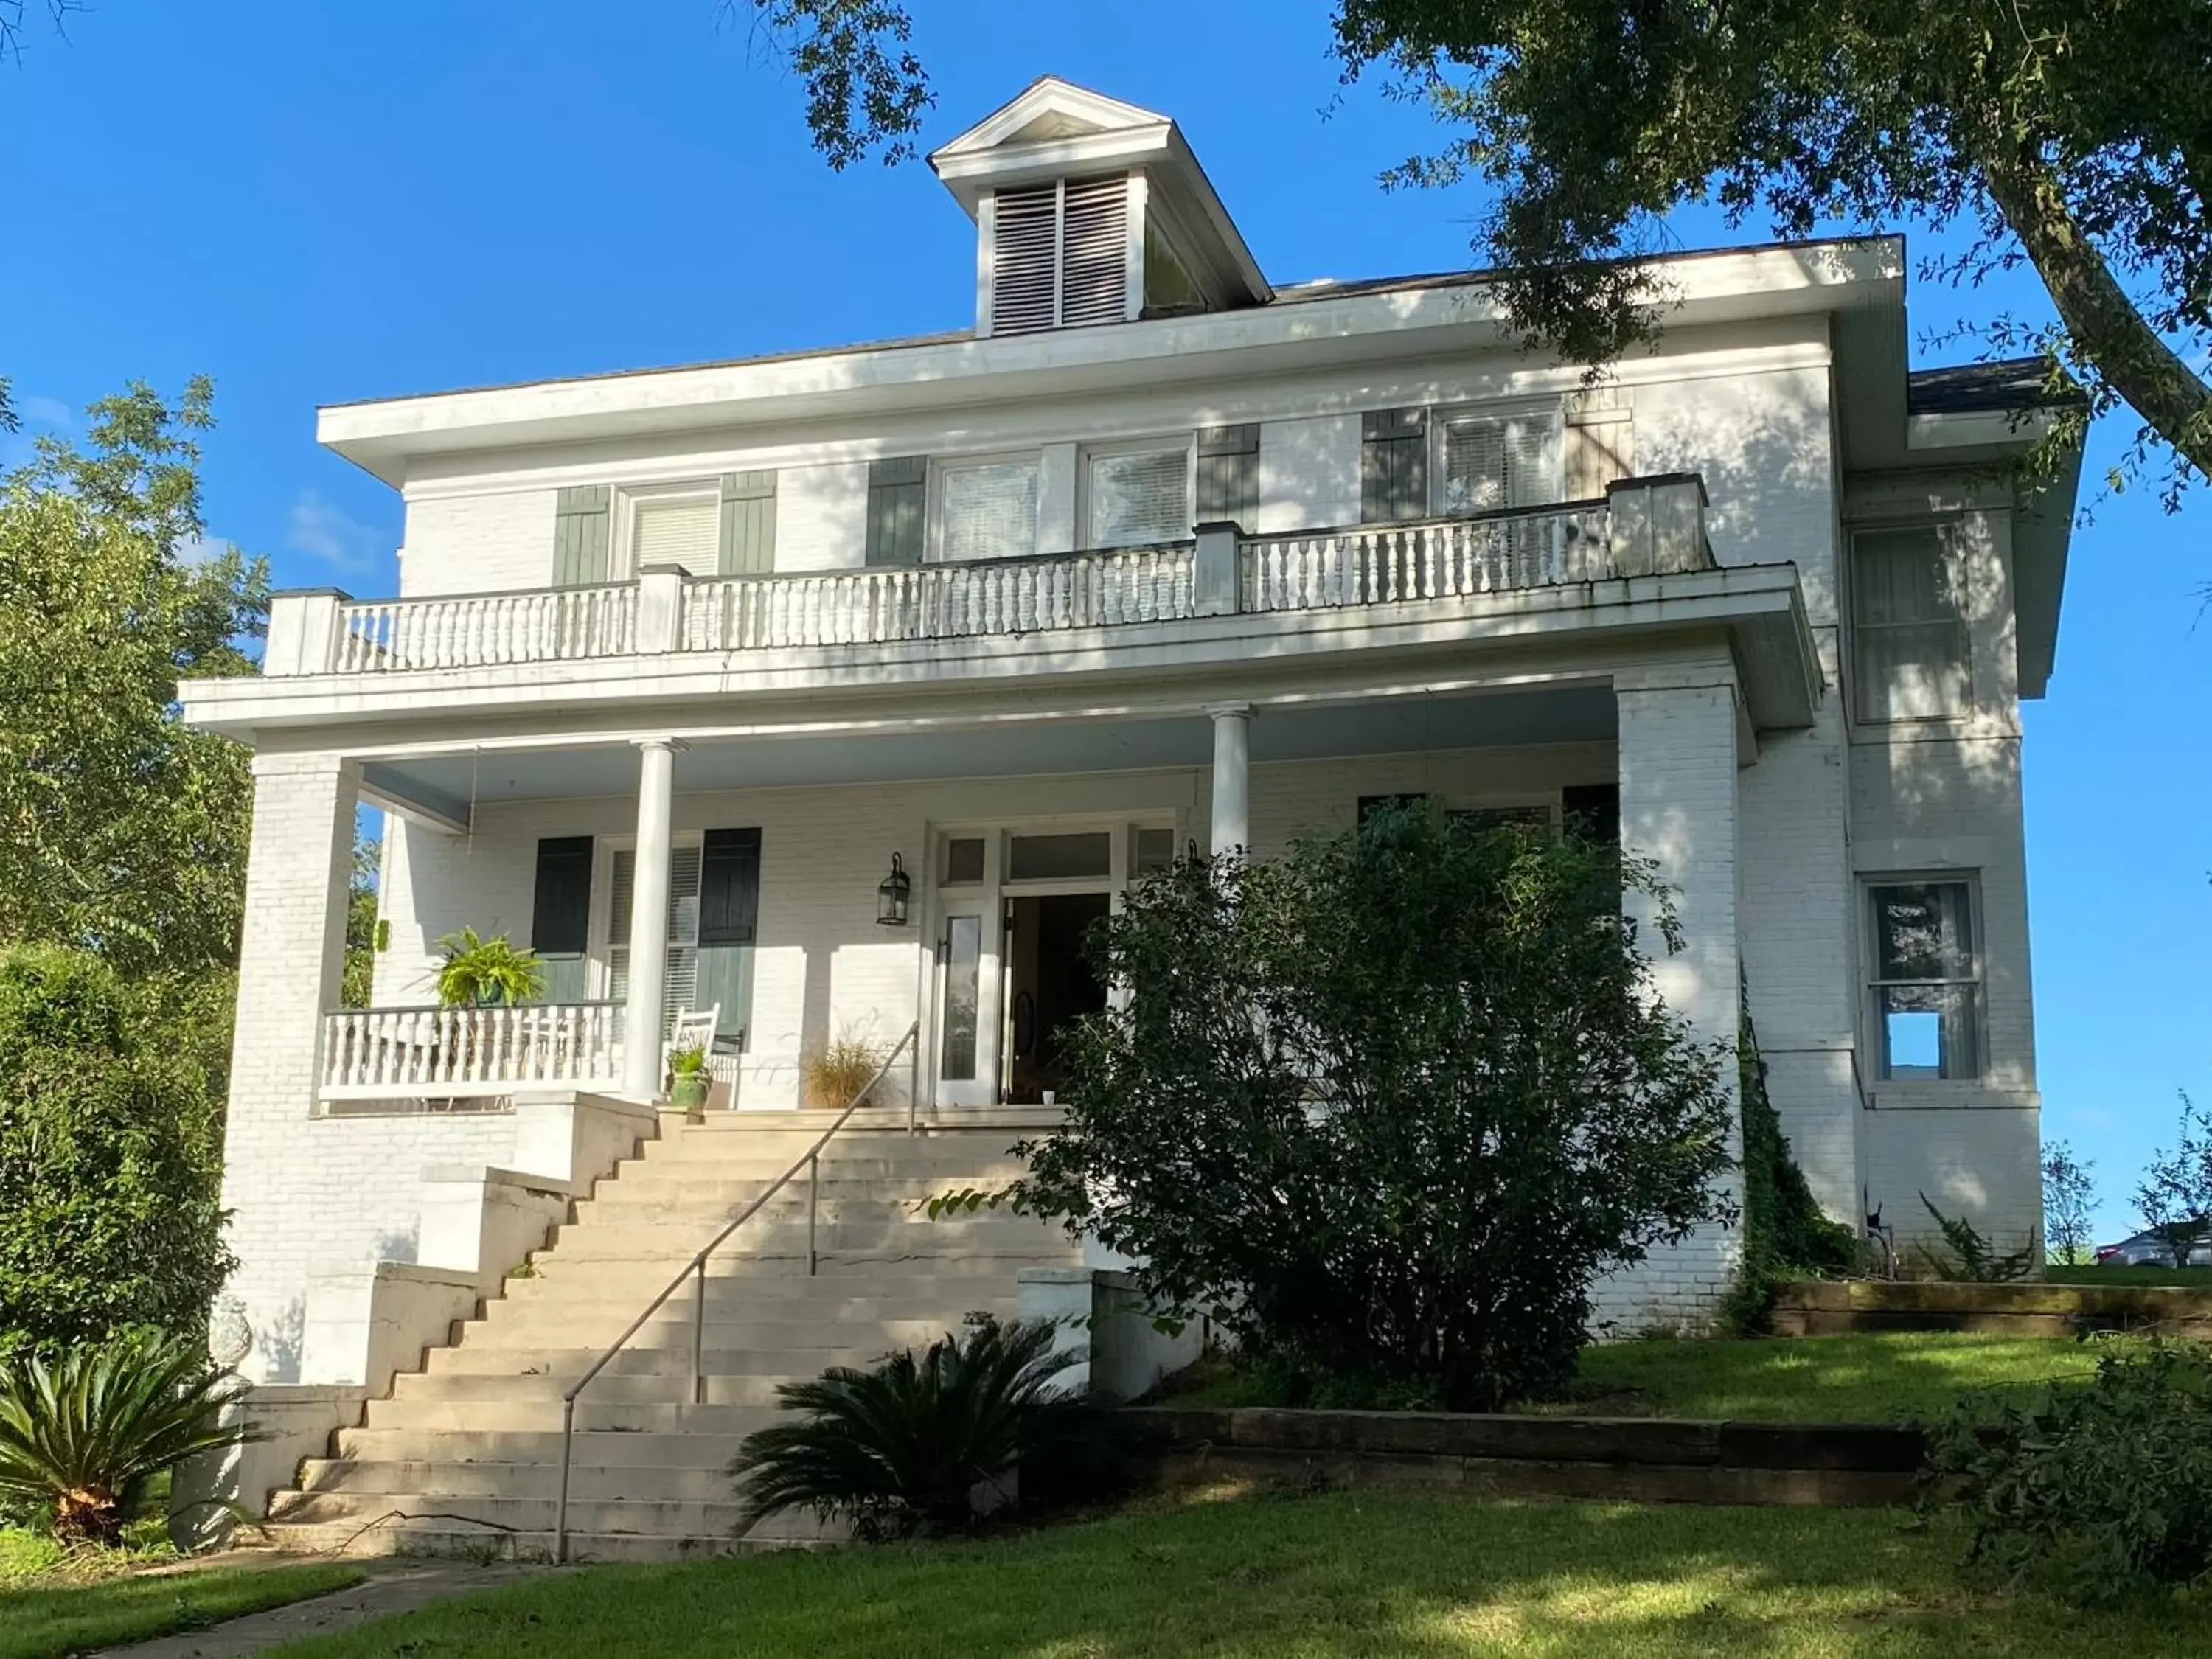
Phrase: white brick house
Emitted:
{"points": [[1155, 553]]}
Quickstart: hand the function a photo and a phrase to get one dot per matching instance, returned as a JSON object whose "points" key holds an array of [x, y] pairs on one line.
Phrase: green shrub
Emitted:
{"points": [[2099, 1491], [82, 1433], [917, 1446], [110, 1154], [1968, 1256]]}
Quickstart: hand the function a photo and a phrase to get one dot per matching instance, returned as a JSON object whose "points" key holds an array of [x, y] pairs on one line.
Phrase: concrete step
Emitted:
{"points": [[891, 1237], [525, 1450], [612, 1412], [731, 1197], [455, 1390], [704, 1483], [386, 1534], [652, 1517], [858, 1204], [553, 1327], [574, 1280], [639, 1360]]}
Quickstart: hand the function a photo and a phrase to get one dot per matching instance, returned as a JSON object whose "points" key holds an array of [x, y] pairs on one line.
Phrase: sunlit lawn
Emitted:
{"points": [[53, 1603], [1341, 1574], [1813, 1379]]}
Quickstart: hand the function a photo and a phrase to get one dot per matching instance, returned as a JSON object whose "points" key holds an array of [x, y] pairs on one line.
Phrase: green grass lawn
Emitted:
{"points": [[1323, 1577], [1815, 1379], [1807, 1379], [52, 1604]]}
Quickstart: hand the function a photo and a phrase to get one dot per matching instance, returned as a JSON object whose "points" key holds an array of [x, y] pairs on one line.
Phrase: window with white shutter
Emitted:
{"points": [[1138, 495], [683, 529], [1060, 254], [986, 509], [682, 987], [1494, 462]]}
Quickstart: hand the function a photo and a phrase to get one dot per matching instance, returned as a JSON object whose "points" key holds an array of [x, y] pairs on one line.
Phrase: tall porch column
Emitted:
{"points": [[1678, 733], [1232, 795], [291, 963], [648, 920]]}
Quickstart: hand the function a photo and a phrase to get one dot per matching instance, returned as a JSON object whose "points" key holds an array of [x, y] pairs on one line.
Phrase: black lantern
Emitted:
{"points": [[891, 895]]}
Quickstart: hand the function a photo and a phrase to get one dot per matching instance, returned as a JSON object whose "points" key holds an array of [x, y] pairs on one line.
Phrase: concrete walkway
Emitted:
{"points": [[400, 1587]]}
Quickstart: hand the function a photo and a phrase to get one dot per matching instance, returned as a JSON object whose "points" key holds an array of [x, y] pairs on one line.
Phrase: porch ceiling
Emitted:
{"points": [[444, 785]]}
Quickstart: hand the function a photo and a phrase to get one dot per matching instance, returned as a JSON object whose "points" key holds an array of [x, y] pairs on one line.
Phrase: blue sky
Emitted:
{"points": [[314, 203]]}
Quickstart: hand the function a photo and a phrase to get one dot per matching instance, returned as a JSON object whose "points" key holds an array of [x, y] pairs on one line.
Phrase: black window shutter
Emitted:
{"points": [[729, 887], [896, 490], [1592, 812], [1229, 475], [1394, 466], [561, 910]]}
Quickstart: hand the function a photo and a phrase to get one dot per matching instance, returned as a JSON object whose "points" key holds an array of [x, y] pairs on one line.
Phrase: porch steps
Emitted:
{"points": [[463, 1456]]}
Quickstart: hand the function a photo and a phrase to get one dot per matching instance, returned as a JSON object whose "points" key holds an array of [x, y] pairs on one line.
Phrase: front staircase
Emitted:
{"points": [[465, 1455]]}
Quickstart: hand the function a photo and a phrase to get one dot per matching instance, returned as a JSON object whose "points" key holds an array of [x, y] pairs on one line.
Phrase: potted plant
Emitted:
{"points": [[839, 1070], [688, 1079], [487, 973]]}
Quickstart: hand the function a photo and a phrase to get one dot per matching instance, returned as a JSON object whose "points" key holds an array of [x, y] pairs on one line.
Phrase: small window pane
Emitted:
{"points": [[1139, 497], [1927, 981], [684, 530], [964, 861], [990, 511], [1060, 857], [1921, 932], [1153, 851], [963, 986]]}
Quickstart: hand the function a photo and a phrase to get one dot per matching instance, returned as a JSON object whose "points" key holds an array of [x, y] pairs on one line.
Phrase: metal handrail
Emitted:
{"points": [[811, 1161]]}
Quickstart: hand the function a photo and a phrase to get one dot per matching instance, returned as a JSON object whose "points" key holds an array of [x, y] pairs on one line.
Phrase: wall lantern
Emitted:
{"points": [[891, 895]]}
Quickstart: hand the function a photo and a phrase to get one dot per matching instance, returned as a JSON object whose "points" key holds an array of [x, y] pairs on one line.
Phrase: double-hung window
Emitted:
{"points": [[1911, 644], [1492, 462], [1137, 494], [670, 523], [1925, 989], [987, 509]]}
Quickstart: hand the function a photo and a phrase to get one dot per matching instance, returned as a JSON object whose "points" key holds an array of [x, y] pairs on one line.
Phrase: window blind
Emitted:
{"points": [[1139, 497], [1911, 644], [681, 985], [683, 530], [1495, 462], [989, 510]]}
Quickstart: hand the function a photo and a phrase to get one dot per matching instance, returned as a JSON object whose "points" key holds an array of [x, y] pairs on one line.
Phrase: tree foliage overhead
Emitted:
{"points": [[2075, 136], [1389, 1105], [122, 831]]}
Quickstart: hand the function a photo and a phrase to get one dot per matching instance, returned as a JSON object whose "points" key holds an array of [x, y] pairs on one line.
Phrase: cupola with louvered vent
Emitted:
{"points": [[1091, 211]]}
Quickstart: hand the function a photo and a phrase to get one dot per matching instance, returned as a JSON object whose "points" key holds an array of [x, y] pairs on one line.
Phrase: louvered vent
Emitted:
{"points": [[1094, 252], [1025, 260], [1060, 255]]}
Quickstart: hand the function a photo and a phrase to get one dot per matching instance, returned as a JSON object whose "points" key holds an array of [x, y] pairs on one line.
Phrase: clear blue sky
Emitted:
{"points": [[317, 202]]}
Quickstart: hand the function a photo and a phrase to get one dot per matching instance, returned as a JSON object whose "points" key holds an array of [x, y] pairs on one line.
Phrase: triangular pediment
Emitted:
{"points": [[1049, 109]]}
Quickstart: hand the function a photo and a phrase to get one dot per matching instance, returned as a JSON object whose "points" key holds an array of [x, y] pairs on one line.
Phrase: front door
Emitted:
{"points": [[1049, 985]]}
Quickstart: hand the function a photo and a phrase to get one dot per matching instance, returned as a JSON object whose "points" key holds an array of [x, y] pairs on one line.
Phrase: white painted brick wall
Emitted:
{"points": [[486, 543]]}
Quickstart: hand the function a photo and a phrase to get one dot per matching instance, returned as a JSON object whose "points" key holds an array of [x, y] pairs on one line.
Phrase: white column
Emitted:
{"points": [[1233, 793], [1678, 732], [291, 959], [648, 920]]}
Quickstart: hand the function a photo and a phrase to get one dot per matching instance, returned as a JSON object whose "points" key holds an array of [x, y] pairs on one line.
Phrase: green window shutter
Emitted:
{"points": [[1394, 466], [1229, 475], [561, 908], [896, 503], [748, 540], [729, 887], [581, 518]]}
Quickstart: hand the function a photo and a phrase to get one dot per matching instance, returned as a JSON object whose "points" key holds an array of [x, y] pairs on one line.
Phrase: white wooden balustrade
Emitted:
{"points": [[473, 630], [375, 1054], [940, 601], [1447, 558], [1648, 527]]}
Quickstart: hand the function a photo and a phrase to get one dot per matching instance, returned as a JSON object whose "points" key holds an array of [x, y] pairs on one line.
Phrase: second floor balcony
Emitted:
{"points": [[1635, 561]]}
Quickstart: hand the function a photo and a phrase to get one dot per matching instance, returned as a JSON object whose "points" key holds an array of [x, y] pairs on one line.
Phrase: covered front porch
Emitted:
{"points": [[747, 876]]}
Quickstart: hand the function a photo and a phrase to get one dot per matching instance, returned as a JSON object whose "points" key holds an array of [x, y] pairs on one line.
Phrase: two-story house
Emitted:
{"points": [[835, 693]]}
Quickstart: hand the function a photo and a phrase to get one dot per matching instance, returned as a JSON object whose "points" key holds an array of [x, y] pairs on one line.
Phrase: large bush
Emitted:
{"points": [[110, 1153], [2099, 1490], [1387, 1106]]}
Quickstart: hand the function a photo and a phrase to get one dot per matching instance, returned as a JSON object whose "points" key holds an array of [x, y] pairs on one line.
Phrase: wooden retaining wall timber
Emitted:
{"points": [[1643, 1459], [1834, 1307]]}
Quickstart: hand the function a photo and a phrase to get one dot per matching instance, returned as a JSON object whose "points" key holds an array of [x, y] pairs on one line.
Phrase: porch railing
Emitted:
{"points": [[372, 1054], [1642, 527], [939, 601]]}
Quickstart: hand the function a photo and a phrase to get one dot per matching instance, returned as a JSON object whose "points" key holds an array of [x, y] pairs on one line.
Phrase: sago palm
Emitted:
{"points": [[81, 1431], [918, 1444]]}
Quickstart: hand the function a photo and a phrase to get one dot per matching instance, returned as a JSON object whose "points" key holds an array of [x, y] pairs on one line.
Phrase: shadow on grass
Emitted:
{"points": [[1234, 1574]]}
